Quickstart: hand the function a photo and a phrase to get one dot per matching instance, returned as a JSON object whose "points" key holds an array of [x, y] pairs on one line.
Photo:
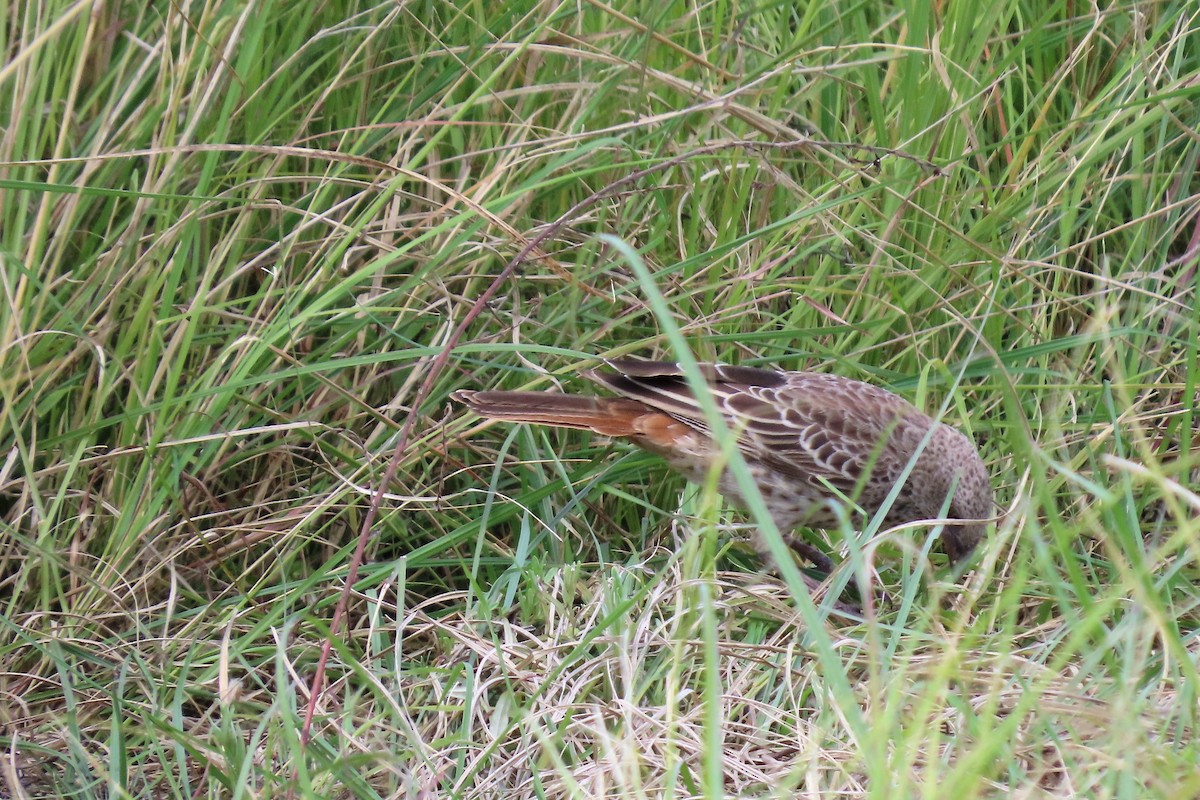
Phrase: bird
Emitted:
{"points": [[809, 439]]}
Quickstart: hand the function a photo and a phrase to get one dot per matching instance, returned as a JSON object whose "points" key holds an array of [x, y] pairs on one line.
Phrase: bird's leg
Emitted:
{"points": [[809, 552], [850, 602], [821, 563]]}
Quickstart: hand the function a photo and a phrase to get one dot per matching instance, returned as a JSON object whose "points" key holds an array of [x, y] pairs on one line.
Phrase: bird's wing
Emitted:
{"points": [[814, 427]]}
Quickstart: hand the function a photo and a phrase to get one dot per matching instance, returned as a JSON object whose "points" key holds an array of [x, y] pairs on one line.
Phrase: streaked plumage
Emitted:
{"points": [[799, 432]]}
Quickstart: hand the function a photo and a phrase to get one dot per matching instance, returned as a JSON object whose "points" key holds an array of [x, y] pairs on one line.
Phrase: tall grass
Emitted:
{"points": [[234, 238]]}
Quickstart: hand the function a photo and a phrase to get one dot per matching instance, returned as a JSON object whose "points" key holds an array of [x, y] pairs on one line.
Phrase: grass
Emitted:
{"points": [[234, 239]]}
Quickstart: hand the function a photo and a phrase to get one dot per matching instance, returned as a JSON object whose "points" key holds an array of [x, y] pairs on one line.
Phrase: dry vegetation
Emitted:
{"points": [[236, 238]]}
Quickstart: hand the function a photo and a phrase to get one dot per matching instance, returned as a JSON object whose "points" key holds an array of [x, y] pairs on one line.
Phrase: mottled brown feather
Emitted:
{"points": [[800, 433]]}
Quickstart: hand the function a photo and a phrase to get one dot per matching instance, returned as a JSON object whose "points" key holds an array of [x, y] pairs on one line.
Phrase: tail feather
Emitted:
{"points": [[607, 416]]}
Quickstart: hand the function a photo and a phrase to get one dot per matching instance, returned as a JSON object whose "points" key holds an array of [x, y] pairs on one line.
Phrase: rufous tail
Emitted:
{"points": [[607, 416]]}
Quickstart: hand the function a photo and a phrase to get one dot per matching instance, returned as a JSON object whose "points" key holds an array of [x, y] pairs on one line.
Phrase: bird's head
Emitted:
{"points": [[958, 467]]}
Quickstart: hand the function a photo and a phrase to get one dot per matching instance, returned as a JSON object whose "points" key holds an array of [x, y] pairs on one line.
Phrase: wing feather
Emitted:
{"points": [[814, 427]]}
